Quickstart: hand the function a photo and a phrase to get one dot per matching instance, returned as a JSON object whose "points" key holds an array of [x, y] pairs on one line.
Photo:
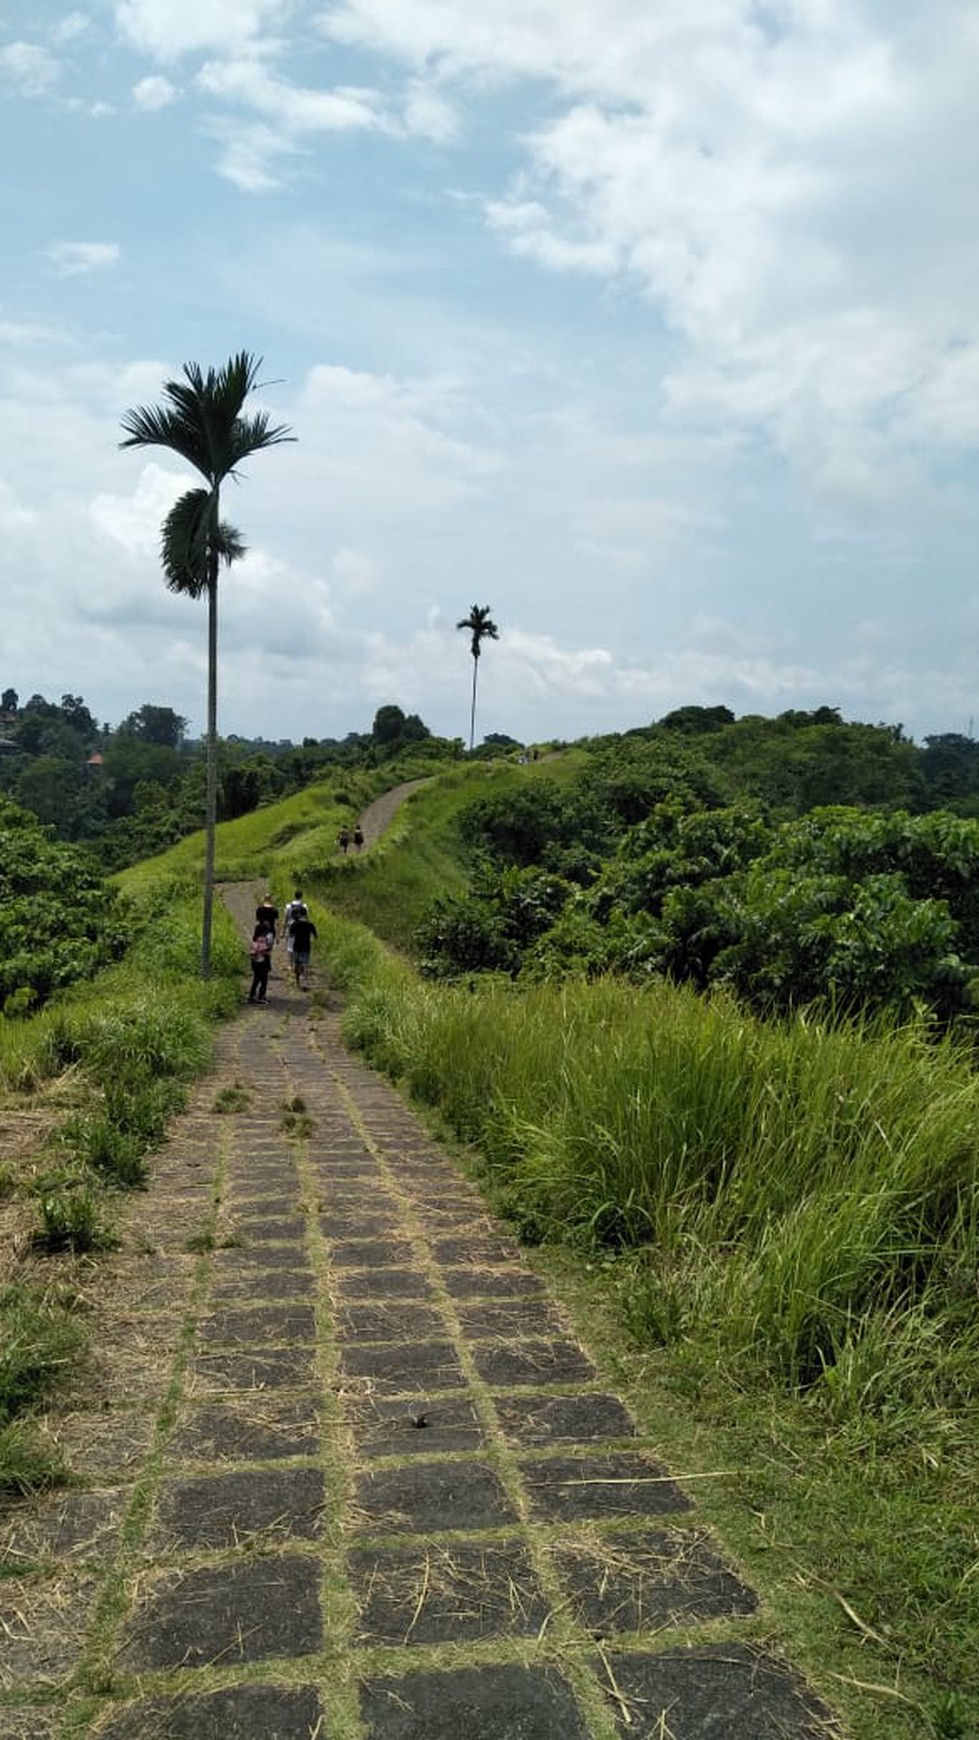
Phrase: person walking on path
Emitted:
{"points": [[343, 840], [302, 931], [267, 913], [260, 953], [287, 917], [358, 836]]}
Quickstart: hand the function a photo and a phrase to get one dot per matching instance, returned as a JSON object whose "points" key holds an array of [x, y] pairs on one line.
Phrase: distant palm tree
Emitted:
{"points": [[482, 627], [202, 421]]}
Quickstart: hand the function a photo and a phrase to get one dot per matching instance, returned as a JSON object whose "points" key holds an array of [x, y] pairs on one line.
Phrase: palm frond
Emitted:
{"points": [[201, 419], [185, 542], [192, 540], [481, 626]]}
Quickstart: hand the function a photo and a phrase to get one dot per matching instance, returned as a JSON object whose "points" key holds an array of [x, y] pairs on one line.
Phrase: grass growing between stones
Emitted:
{"points": [[783, 1221]]}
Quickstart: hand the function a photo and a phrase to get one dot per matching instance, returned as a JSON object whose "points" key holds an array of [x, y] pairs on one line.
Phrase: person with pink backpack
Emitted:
{"points": [[260, 954]]}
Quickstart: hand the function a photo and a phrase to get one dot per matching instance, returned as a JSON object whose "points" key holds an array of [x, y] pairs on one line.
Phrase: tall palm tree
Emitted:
{"points": [[482, 627], [202, 421]]}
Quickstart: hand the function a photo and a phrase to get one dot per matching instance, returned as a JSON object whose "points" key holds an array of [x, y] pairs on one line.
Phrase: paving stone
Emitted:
{"points": [[20, 1722], [244, 1256], [445, 1594], [500, 1283], [104, 1444], [72, 1525], [254, 1174], [236, 1713], [251, 1610], [362, 1172], [259, 1428], [258, 1204], [383, 1428], [336, 1224], [509, 1318], [414, 1369], [644, 1580], [396, 1283], [271, 1228], [370, 1253], [531, 1419], [619, 1484], [495, 1703], [423, 1497], [447, 1220], [463, 1252], [255, 1284], [42, 1624], [287, 1324], [387, 1322], [713, 1692], [226, 1510], [280, 1368], [532, 1362]]}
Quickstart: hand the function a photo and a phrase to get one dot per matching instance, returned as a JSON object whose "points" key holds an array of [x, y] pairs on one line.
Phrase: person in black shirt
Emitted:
{"points": [[301, 931], [267, 913]]}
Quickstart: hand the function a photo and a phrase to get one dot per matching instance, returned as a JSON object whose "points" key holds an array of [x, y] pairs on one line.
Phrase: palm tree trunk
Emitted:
{"points": [[472, 715], [211, 752]]}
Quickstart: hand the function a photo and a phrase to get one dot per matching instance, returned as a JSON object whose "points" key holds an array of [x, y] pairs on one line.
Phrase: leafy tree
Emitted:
{"points": [[8, 701], [480, 626], [202, 421], [60, 920], [159, 725], [695, 721]]}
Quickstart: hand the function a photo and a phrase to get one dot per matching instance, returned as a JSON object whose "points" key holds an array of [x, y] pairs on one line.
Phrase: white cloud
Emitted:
{"points": [[71, 27], [287, 114], [429, 113], [153, 93], [134, 521], [33, 70], [793, 188], [168, 29], [77, 259]]}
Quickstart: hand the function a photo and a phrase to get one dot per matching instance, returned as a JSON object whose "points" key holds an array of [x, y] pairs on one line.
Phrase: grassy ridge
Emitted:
{"points": [[786, 1218], [421, 855]]}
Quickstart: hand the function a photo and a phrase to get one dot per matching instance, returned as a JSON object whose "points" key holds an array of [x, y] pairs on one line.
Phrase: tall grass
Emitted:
{"points": [[791, 1184]]}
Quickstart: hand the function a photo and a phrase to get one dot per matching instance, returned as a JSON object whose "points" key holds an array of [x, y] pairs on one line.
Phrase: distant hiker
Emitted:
{"points": [[267, 913], [287, 917], [358, 836], [302, 930], [260, 953], [343, 840]]}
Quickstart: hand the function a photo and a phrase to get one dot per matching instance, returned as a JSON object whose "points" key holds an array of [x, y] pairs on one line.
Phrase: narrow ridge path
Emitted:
{"points": [[345, 1470]]}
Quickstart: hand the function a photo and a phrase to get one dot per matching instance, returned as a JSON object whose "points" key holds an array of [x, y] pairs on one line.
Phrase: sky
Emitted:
{"points": [[652, 327]]}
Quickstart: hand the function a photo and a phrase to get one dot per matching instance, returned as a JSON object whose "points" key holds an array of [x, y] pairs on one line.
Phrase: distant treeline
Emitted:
{"points": [[130, 791]]}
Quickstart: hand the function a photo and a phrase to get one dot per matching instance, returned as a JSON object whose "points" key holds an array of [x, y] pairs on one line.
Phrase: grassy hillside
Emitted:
{"points": [[421, 854]]}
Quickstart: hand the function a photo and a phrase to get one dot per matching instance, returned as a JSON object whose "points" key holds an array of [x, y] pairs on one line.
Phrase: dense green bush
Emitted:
{"points": [[60, 921]]}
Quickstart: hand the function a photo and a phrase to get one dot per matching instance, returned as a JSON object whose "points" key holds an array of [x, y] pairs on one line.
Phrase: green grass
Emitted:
{"points": [[40, 1340]]}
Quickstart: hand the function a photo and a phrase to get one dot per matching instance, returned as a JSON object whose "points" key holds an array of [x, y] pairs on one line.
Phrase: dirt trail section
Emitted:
{"points": [[377, 815], [343, 1469]]}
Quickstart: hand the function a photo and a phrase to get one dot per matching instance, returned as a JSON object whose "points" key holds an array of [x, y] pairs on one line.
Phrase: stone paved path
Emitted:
{"points": [[346, 1473]]}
